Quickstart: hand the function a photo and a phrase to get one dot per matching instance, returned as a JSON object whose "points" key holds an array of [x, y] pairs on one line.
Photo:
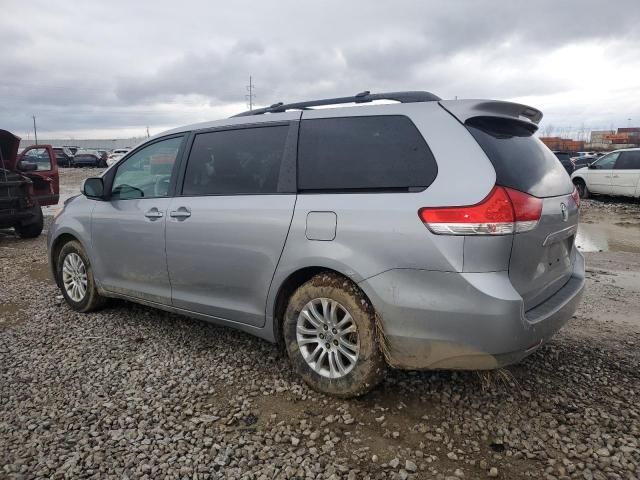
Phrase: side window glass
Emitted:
{"points": [[38, 157], [345, 154], [607, 162], [629, 160], [244, 161], [146, 174]]}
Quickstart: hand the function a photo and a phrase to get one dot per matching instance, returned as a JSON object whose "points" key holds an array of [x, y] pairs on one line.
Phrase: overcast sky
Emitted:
{"points": [[110, 70]]}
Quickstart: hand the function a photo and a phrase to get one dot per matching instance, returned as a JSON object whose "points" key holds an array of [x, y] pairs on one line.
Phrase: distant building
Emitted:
{"points": [[565, 144], [97, 144], [600, 140], [612, 140]]}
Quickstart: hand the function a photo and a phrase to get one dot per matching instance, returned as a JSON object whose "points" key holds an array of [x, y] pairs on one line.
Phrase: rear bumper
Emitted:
{"points": [[470, 321]]}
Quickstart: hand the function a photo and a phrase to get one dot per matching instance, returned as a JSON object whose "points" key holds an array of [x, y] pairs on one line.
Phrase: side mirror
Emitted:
{"points": [[93, 188], [592, 166]]}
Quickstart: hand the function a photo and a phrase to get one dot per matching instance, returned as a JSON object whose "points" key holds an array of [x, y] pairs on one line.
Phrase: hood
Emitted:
{"points": [[9, 144]]}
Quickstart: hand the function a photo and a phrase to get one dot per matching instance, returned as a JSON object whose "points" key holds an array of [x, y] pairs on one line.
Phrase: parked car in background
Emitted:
{"points": [[116, 155], [74, 148], [582, 161], [64, 156], [88, 158], [565, 160], [28, 181], [343, 233], [617, 173], [104, 156]]}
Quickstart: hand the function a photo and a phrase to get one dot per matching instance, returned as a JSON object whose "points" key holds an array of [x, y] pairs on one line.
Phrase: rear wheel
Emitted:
{"points": [[331, 339], [583, 191], [34, 228], [75, 276]]}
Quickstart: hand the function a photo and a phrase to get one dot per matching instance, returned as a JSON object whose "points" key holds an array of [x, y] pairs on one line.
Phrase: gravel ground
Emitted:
{"points": [[131, 392]]}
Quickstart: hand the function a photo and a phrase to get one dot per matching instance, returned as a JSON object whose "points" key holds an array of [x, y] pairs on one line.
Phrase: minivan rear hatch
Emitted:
{"points": [[542, 258]]}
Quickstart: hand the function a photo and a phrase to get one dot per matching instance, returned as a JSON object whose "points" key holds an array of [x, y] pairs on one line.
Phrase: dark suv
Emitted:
{"points": [[64, 156], [28, 181]]}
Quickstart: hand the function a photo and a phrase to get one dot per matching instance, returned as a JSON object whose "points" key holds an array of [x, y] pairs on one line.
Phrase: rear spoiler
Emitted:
{"points": [[463, 110]]}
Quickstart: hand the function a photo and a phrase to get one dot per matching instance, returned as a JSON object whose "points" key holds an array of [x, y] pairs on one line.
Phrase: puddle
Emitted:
{"points": [[608, 237], [40, 272]]}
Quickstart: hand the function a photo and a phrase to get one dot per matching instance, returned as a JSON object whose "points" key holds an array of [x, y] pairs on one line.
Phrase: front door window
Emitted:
{"points": [[607, 162], [146, 173]]}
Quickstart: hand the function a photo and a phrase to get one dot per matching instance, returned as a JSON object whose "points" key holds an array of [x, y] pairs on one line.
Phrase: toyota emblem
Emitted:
{"points": [[564, 211]]}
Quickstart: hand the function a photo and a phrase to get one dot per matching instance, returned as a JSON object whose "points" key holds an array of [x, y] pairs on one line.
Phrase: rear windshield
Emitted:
{"points": [[520, 159]]}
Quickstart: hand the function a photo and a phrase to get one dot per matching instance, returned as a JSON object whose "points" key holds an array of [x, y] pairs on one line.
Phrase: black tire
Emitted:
{"points": [[91, 300], [369, 368], [583, 191], [34, 228]]}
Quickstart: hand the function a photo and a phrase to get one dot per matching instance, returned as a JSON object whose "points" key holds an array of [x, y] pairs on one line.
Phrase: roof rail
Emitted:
{"points": [[362, 97]]}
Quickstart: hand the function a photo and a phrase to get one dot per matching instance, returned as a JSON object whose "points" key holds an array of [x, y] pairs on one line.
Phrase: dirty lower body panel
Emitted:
{"points": [[470, 321]]}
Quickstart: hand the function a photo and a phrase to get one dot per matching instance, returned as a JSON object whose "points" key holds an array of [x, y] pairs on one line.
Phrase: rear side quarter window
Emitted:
{"points": [[352, 154]]}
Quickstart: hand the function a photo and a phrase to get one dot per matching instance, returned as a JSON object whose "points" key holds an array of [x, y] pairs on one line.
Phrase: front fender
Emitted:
{"points": [[74, 221]]}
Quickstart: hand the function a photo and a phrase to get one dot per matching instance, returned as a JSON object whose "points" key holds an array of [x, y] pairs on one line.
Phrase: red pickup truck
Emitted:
{"points": [[28, 181]]}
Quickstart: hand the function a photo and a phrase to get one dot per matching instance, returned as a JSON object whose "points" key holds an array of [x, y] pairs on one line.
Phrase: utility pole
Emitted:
{"points": [[35, 131], [148, 132], [250, 96]]}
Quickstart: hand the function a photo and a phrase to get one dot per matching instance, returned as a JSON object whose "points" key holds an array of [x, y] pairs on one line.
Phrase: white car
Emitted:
{"points": [[616, 173], [116, 155]]}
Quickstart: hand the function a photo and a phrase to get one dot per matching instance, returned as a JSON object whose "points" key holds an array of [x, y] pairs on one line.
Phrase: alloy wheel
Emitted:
{"points": [[328, 338], [74, 277]]}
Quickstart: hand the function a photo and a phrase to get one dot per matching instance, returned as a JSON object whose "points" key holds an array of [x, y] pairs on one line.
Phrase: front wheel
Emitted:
{"points": [[331, 338], [583, 191], [75, 277]]}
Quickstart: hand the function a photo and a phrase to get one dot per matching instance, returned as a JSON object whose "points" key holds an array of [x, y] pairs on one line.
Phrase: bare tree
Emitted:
{"points": [[547, 130]]}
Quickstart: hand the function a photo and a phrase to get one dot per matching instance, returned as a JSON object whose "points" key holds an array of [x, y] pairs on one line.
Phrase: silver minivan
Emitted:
{"points": [[418, 234]]}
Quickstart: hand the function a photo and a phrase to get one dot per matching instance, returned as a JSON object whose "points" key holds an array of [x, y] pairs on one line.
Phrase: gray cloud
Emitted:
{"points": [[79, 65]]}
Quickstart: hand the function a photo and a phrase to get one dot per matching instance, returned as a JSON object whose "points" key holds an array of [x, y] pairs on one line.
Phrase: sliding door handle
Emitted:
{"points": [[182, 212], [153, 213]]}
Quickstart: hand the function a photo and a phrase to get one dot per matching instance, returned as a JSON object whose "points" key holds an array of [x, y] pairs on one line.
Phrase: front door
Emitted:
{"points": [[226, 232], [128, 231], [600, 173], [626, 174], [38, 163]]}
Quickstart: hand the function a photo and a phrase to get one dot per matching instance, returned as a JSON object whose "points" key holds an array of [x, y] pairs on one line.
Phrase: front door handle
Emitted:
{"points": [[182, 212], [153, 213]]}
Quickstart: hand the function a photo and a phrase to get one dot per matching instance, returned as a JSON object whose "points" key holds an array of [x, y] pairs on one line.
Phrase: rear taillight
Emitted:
{"points": [[576, 197], [503, 211], [527, 210]]}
